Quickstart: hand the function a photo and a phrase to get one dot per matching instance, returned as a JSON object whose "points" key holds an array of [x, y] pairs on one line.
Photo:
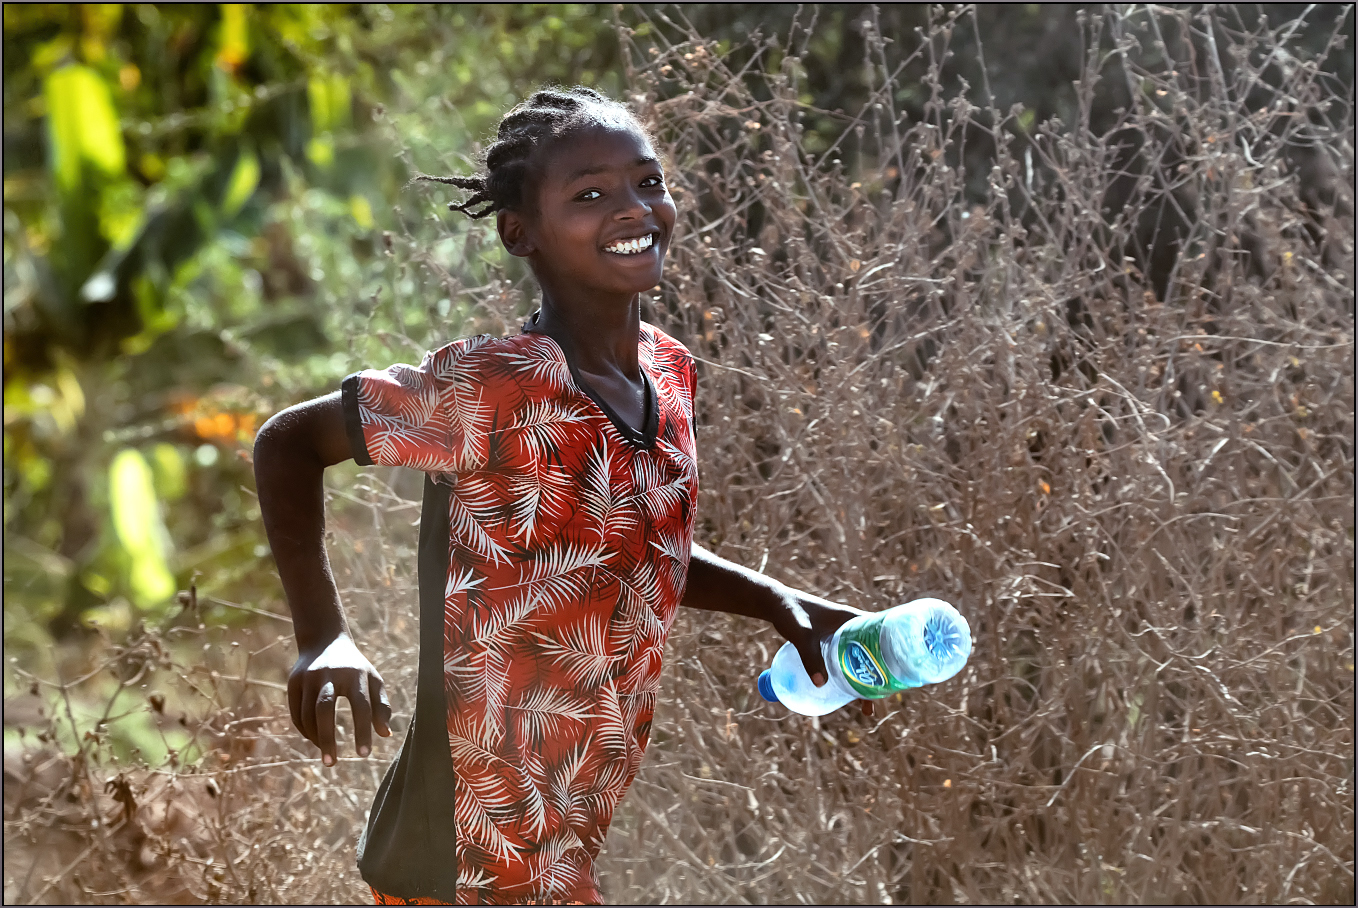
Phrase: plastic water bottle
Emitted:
{"points": [[921, 642]]}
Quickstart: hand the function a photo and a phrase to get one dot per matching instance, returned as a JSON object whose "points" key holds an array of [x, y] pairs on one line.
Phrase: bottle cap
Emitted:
{"points": [[766, 687]]}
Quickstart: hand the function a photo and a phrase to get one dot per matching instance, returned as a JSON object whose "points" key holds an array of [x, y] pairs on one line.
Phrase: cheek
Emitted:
{"points": [[567, 231], [667, 211]]}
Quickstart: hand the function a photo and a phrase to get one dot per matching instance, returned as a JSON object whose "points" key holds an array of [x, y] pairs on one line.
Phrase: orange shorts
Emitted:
{"points": [[381, 898]]}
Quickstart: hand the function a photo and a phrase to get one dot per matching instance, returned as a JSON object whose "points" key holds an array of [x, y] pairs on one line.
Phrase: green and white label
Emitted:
{"points": [[860, 659]]}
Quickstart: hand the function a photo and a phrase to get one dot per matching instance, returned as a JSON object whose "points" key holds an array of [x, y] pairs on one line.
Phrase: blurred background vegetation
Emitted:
{"points": [[195, 202], [201, 204]]}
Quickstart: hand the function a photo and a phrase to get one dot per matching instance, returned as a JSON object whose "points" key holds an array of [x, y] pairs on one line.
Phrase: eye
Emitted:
{"points": [[653, 181], [589, 195]]}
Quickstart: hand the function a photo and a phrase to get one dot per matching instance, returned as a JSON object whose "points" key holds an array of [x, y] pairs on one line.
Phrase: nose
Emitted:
{"points": [[631, 205]]}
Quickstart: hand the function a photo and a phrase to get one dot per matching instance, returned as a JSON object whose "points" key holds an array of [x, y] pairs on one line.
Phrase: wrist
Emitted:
{"points": [[787, 611], [314, 640]]}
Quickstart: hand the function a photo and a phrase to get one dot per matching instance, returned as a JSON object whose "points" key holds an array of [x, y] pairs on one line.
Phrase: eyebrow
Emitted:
{"points": [[591, 171]]}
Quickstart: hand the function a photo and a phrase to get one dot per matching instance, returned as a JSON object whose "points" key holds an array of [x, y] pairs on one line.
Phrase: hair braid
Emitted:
{"points": [[548, 114]]}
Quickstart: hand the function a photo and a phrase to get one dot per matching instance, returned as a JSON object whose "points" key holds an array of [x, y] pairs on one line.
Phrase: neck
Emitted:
{"points": [[601, 338]]}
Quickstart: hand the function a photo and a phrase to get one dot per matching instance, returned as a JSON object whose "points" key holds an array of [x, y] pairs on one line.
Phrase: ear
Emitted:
{"points": [[514, 233]]}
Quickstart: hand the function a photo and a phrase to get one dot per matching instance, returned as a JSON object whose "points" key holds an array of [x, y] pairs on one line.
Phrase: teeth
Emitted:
{"points": [[631, 247]]}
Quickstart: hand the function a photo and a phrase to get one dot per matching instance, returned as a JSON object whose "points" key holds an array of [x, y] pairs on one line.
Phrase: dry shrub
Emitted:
{"points": [[240, 811], [1141, 498], [1100, 397]]}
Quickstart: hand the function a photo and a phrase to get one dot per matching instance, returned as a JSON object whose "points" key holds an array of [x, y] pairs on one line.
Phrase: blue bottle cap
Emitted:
{"points": [[766, 687]]}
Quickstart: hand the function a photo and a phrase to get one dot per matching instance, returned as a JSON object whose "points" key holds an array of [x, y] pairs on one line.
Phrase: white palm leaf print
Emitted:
{"points": [[672, 388], [678, 550], [687, 467], [582, 650], [601, 797], [473, 877], [544, 425], [637, 592], [392, 434], [609, 728], [656, 494], [535, 490], [536, 773], [496, 687], [481, 677], [460, 582], [446, 367], [566, 782], [555, 877], [540, 363], [495, 629], [643, 672], [560, 575], [671, 366], [536, 770], [502, 790], [605, 500], [406, 394], [473, 419], [633, 705], [473, 811], [472, 502], [542, 712], [633, 765]]}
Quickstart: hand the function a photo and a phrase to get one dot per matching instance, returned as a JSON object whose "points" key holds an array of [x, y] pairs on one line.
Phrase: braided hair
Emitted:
{"points": [[550, 113]]}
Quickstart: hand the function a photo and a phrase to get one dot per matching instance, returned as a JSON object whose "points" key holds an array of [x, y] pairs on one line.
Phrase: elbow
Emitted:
{"points": [[277, 442], [269, 436], [266, 447], [310, 433]]}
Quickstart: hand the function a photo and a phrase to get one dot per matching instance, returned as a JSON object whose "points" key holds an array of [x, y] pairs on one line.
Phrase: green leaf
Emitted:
{"points": [[244, 180], [234, 47], [330, 99], [321, 151], [171, 474], [140, 529], [362, 211], [82, 127]]}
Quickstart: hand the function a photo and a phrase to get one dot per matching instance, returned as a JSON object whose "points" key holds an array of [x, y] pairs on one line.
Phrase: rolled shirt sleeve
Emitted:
{"points": [[428, 417]]}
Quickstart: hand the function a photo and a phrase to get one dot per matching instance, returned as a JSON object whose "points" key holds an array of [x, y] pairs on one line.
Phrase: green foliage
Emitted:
{"points": [[137, 521], [82, 127], [194, 197]]}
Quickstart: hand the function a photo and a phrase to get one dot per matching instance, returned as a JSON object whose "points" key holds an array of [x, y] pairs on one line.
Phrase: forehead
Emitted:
{"points": [[593, 148]]}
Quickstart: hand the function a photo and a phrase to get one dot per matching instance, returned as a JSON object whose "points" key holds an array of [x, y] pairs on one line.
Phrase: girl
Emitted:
{"points": [[555, 534]]}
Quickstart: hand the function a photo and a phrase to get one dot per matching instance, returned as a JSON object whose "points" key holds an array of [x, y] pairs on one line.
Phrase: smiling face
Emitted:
{"points": [[602, 217]]}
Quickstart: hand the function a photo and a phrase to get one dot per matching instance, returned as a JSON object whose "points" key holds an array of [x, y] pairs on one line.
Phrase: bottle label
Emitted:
{"points": [[860, 658], [859, 665]]}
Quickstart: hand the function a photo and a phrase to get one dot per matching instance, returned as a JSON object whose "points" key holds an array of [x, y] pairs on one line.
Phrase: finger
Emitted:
{"points": [[325, 722], [311, 684], [363, 717], [295, 701], [867, 706], [377, 695], [813, 662]]}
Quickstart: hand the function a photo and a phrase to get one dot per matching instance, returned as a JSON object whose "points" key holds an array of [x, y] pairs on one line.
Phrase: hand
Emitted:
{"points": [[318, 680], [810, 620]]}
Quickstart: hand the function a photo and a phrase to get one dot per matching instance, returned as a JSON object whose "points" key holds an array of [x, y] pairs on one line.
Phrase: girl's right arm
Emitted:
{"points": [[292, 451]]}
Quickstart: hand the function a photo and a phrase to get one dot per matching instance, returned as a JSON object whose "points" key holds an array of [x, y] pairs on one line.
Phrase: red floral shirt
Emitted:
{"points": [[569, 541]]}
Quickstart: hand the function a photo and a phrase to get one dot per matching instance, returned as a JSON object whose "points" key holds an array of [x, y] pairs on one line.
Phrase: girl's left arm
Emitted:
{"points": [[717, 585]]}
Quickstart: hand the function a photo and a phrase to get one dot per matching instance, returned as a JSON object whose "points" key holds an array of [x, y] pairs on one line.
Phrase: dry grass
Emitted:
{"points": [[1133, 472]]}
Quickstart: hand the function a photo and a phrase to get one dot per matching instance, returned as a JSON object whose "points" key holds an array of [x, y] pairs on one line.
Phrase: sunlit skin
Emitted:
{"points": [[588, 190]]}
